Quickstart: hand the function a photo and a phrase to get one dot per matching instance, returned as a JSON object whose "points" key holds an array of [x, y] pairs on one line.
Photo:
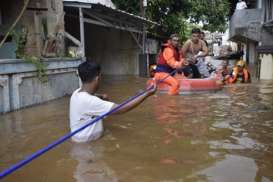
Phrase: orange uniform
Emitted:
{"points": [[169, 60], [236, 74]]}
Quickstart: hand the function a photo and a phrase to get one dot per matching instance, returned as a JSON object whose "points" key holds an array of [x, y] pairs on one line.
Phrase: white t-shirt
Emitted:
{"points": [[241, 5], [83, 108]]}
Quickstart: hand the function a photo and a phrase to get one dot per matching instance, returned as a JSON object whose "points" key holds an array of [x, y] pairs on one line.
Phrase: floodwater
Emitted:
{"points": [[225, 136]]}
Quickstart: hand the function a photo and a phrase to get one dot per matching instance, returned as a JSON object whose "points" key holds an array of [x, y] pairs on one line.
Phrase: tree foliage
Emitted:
{"points": [[212, 13], [131, 6], [180, 15]]}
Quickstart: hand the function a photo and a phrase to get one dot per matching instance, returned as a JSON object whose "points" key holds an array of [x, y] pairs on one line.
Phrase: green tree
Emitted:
{"points": [[212, 13], [180, 15]]}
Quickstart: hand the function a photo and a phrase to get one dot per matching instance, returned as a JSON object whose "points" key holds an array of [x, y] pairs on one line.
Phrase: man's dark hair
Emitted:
{"points": [[196, 30], [174, 35], [203, 33], [88, 71]]}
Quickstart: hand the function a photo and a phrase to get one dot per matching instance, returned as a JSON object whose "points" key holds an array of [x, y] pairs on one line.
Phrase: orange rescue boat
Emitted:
{"points": [[188, 86]]}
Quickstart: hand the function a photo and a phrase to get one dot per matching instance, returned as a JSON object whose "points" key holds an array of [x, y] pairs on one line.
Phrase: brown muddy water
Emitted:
{"points": [[225, 136]]}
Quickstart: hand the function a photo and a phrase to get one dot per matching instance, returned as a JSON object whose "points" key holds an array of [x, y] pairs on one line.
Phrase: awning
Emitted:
{"points": [[107, 16], [241, 38]]}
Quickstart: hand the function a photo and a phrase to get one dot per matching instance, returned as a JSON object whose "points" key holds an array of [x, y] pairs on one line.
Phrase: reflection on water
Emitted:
{"points": [[223, 136], [90, 164], [232, 168]]}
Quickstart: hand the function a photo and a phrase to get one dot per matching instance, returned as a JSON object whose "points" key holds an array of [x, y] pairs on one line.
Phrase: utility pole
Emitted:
{"points": [[145, 56], [143, 5], [145, 39]]}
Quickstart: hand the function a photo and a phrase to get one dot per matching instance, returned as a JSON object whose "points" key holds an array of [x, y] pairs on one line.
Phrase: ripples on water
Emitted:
{"points": [[223, 136]]}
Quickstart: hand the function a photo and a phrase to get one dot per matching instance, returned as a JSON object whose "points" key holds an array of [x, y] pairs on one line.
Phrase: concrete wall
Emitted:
{"points": [[266, 38], [33, 91], [266, 72], [4, 94], [252, 58], [1, 98], [8, 51], [20, 87], [247, 23], [115, 50]]}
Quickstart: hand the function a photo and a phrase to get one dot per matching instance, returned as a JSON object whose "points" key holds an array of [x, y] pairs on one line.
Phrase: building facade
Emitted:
{"points": [[252, 29]]}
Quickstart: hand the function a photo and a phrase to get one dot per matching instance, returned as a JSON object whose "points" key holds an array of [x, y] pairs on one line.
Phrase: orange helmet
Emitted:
{"points": [[240, 63]]}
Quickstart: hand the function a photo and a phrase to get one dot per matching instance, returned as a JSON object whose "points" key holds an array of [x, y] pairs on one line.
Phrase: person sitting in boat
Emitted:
{"points": [[225, 71], [195, 50], [202, 37], [211, 68], [169, 60], [240, 73]]}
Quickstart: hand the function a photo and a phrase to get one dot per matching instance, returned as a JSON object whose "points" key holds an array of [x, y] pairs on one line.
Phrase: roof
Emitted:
{"points": [[107, 3], [109, 8], [241, 38]]}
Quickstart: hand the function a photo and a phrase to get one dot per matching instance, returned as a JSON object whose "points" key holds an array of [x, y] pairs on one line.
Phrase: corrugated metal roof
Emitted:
{"points": [[107, 4]]}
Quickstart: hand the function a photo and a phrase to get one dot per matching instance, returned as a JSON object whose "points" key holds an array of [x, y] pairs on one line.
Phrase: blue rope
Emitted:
{"points": [[33, 156]]}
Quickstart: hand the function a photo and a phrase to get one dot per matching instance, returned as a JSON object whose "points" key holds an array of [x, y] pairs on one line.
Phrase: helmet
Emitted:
{"points": [[152, 70], [240, 63], [153, 67]]}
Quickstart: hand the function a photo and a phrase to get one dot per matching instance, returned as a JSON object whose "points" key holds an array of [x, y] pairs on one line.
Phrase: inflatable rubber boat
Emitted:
{"points": [[188, 86]]}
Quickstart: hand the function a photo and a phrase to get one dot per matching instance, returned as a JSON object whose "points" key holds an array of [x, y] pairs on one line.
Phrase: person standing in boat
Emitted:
{"points": [[195, 50], [168, 60]]}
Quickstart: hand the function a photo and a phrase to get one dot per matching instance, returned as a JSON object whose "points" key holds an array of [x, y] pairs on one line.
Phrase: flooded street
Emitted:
{"points": [[225, 136]]}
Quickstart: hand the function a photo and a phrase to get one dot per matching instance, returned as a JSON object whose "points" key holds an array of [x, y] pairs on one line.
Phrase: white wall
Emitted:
{"points": [[266, 71]]}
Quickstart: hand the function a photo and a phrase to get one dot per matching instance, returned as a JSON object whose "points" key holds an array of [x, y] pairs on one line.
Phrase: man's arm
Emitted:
{"points": [[185, 50], [134, 103], [205, 50], [246, 76]]}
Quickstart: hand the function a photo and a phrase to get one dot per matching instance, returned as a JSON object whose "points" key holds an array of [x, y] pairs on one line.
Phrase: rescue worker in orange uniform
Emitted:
{"points": [[169, 59], [240, 73]]}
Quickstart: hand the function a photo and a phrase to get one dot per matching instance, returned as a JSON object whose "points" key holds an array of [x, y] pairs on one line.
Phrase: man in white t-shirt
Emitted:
{"points": [[241, 5], [85, 105]]}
